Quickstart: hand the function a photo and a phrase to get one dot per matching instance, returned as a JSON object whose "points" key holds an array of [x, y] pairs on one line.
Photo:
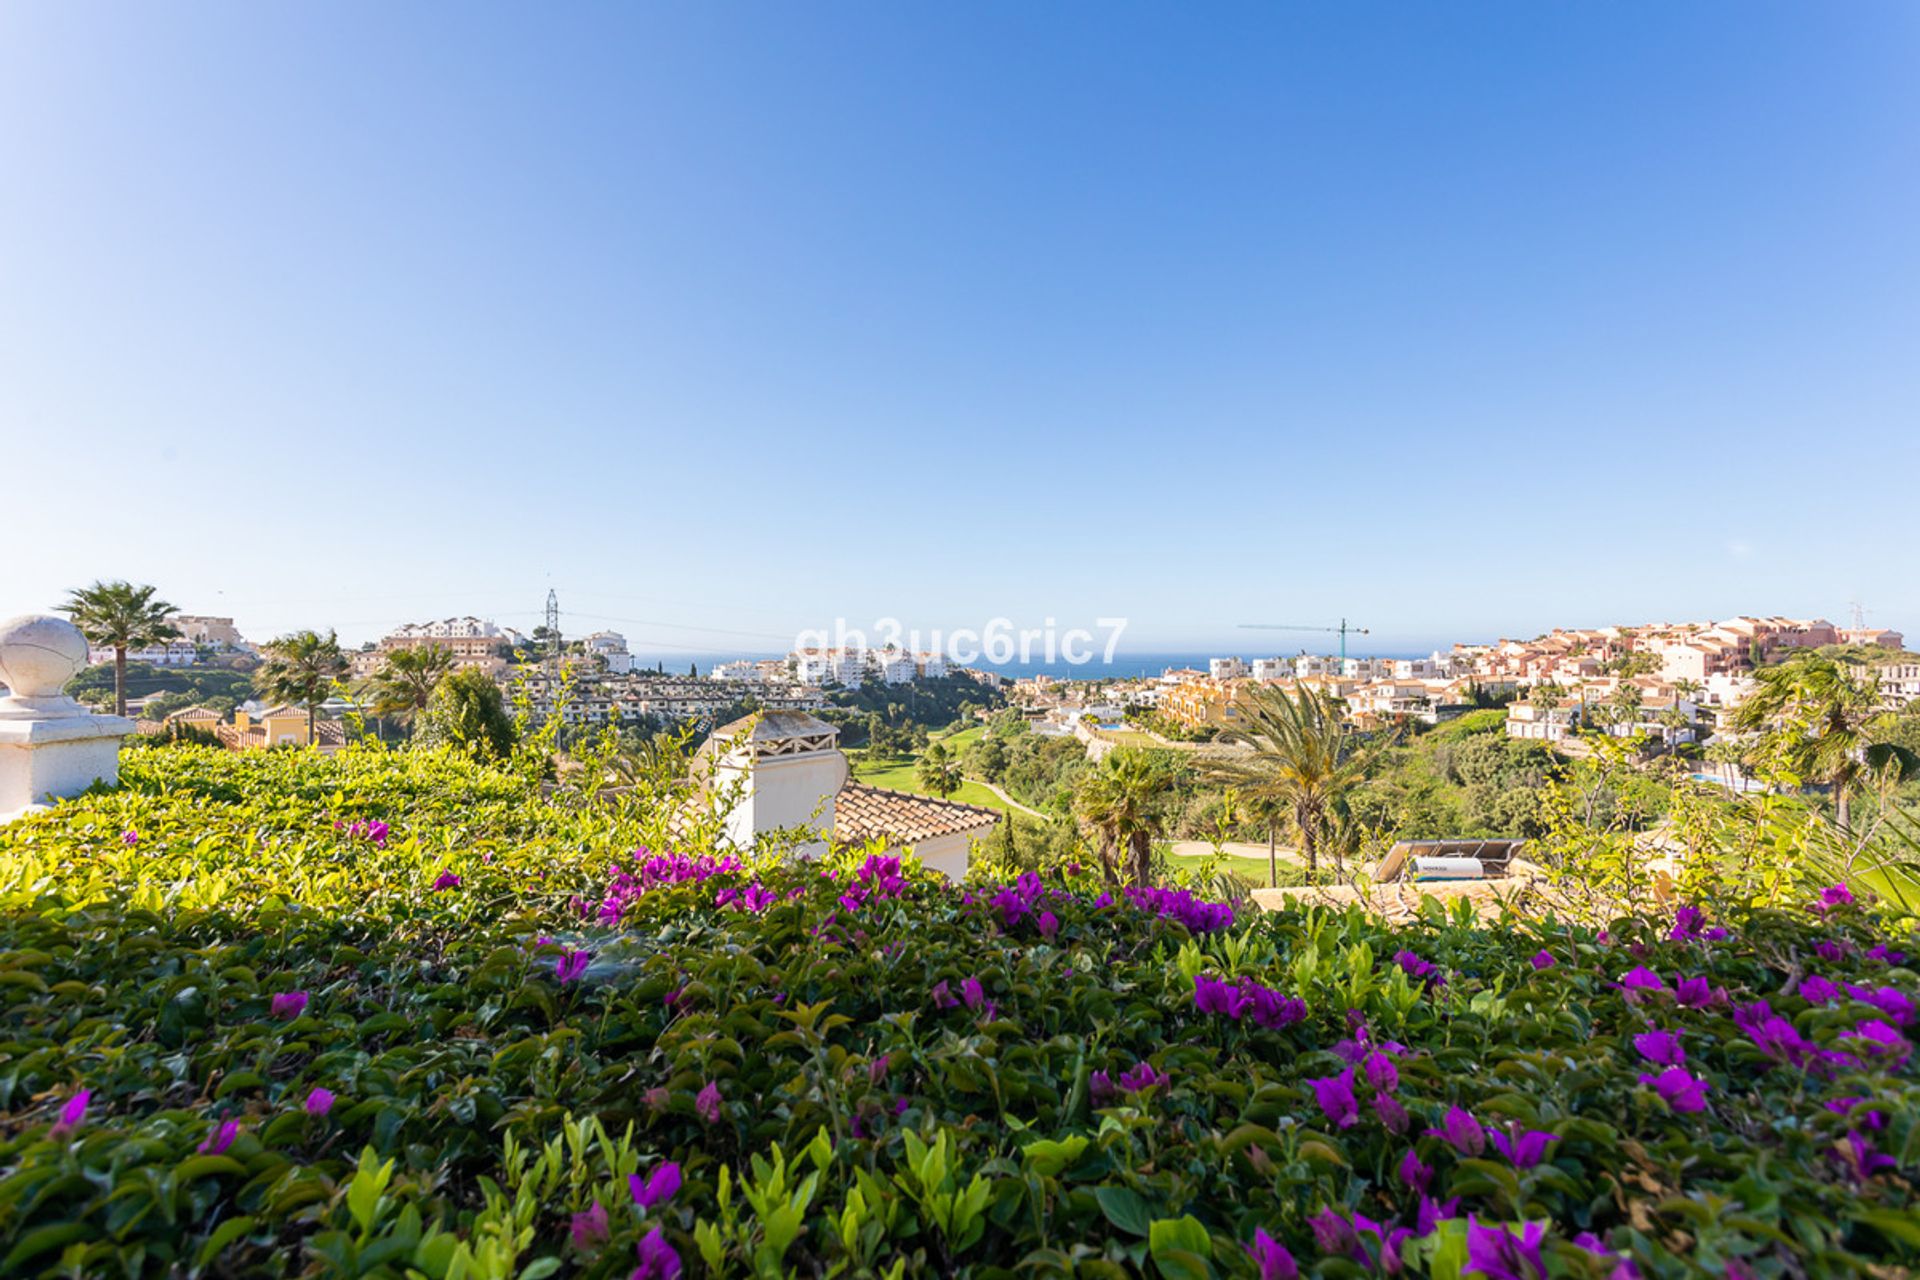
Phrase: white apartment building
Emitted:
{"points": [[611, 648], [1899, 682], [1312, 664], [1415, 669], [845, 667], [1226, 668], [1271, 669], [932, 665], [173, 653], [747, 671], [895, 666], [220, 633]]}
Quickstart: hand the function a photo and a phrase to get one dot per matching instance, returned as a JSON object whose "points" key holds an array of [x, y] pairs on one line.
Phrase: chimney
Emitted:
{"points": [[787, 770]]}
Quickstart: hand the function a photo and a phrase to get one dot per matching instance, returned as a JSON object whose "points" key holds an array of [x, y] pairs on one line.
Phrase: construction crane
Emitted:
{"points": [[1343, 630]]}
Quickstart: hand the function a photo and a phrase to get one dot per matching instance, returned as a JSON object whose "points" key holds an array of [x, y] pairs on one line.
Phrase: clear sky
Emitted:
{"points": [[1458, 320]]}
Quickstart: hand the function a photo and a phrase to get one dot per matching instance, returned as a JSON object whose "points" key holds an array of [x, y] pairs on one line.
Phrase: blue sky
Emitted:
{"points": [[1458, 320]]}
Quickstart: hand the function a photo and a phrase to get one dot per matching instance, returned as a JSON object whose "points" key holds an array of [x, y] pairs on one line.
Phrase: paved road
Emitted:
{"points": [[1237, 848], [1026, 809]]}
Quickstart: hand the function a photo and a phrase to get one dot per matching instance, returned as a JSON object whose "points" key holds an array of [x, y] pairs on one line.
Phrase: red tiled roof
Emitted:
{"points": [[862, 813]]}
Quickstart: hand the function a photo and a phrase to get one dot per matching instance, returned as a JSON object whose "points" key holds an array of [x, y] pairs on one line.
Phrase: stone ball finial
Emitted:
{"points": [[39, 653]]}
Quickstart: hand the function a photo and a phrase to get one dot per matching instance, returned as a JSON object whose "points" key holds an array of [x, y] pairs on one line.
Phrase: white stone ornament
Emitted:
{"points": [[51, 747]]}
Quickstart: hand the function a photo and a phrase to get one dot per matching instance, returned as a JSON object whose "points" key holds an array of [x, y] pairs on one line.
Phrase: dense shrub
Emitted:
{"points": [[395, 1014]]}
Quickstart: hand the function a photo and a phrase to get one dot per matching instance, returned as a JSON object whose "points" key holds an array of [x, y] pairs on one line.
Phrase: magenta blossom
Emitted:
{"points": [[319, 1102], [1835, 895], [1418, 969], [1679, 1089], [447, 880], [217, 1142], [1861, 1159], [1381, 1073], [72, 1116], [1881, 953], [1391, 1113], [1696, 993], [658, 1259], [1880, 1039], [1414, 1172], [1641, 978], [707, 1103], [129, 838], [1523, 1148], [1431, 1213], [288, 1005], [1336, 1099], [1498, 1254], [571, 965], [1891, 1001], [657, 1188], [1271, 1258], [1142, 1077], [1818, 990], [1462, 1131], [589, 1229], [1333, 1232], [1661, 1048], [1543, 959], [1831, 951], [877, 1070]]}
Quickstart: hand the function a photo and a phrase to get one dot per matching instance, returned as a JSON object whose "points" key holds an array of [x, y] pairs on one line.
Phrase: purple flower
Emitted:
{"points": [[1624, 1268], [1888, 1000], [900, 1105], [1686, 924], [1100, 1085], [707, 1103], [288, 1005], [72, 1116], [1830, 951], [1497, 1253], [1861, 1159], [1661, 1048], [972, 993], [319, 1102], [1524, 1149], [571, 965], [942, 997], [1414, 967], [1774, 1035], [447, 880], [1143, 1076], [1048, 924], [658, 1187], [1641, 978], [1271, 1257], [1335, 1096], [217, 1142], [1180, 905], [1835, 895], [1817, 989], [877, 1070], [658, 1259], [1881, 1039], [1696, 993], [1391, 1113], [1461, 1130], [1543, 959], [1679, 1089], [1414, 1172], [129, 838], [1431, 1213], [1380, 1072], [1332, 1232], [1884, 956], [589, 1229], [1844, 1107]]}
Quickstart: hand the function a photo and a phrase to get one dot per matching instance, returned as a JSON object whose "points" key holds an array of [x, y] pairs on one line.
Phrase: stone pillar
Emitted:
{"points": [[51, 747]]}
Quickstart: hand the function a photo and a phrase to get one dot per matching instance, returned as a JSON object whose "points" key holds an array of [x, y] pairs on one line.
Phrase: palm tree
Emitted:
{"points": [[301, 668], [1121, 800], [1303, 760], [1814, 713], [123, 616], [939, 772], [407, 679]]}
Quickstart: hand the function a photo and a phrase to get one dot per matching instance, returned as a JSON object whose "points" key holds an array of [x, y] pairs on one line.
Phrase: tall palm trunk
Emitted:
{"points": [[119, 679], [1842, 807], [1142, 858], [1273, 859], [311, 710]]}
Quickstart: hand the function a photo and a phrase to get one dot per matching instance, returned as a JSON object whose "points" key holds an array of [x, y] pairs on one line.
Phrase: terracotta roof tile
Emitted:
{"points": [[862, 813]]}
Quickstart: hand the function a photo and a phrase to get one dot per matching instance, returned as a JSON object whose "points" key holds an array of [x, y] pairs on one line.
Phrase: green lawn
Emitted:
{"points": [[896, 776]]}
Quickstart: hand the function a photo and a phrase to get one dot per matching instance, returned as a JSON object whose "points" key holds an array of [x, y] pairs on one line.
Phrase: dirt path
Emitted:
{"points": [[1026, 809]]}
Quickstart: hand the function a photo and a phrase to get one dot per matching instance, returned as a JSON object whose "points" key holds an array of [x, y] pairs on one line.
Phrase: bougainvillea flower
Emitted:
{"points": [[1523, 1148], [1836, 895], [1431, 1213], [1624, 1268], [1660, 1047], [1679, 1089], [658, 1259], [1414, 967], [1543, 959], [129, 838], [1269, 1009], [1881, 1039], [942, 996], [1845, 1106], [1416, 1173], [220, 1139], [1391, 1113], [1214, 995], [1641, 978], [1179, 904], [972, 993], [1687, 921], [1819, 990], [1143, 1076], [1381, 1073], [1892, 1001], [1462, 1131], [589, 1229], [1047, 923], [877, 1069], [900, 1105], [288, 1005], [1830, 951], [1497, 1253], [1271, 1258], [1861, 1159], [73, 1115], [1333, 1232], [707, 1102], [659, 1186], [571, 965], [1335, 1096], [447, 880], [1695, 993], [1100, 1085], [319, 1102], [1884, 956], [1774, 1035]]}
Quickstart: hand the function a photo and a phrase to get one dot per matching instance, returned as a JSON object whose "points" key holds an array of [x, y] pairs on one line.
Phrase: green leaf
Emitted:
{"points": [[1124, 1208], [1180, 1248]]}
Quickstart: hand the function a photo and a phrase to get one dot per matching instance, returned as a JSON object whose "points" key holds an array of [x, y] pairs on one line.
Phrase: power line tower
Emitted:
{"points": [[553, 623], [1859, 616]]}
